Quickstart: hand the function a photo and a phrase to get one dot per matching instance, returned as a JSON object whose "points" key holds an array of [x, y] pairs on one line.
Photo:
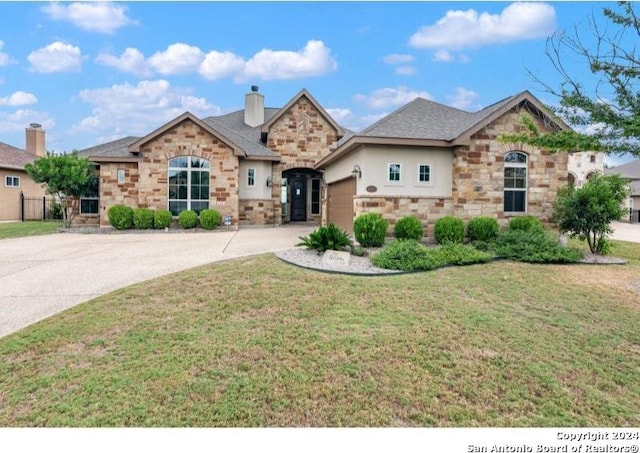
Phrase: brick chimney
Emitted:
{"points": [[253, 108], [35, 139]]}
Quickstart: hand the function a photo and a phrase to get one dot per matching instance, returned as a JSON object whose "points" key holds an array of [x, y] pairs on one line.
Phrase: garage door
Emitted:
{"points": [[340, 203]]}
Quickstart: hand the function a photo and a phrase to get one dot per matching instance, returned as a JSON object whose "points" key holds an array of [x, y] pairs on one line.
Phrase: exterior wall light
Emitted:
{"points": [[356, 172], [269, 181]]}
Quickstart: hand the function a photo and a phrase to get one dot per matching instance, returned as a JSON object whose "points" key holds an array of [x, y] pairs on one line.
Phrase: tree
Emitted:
{"points": [[607, 115], [66, 176], [587, 212]]}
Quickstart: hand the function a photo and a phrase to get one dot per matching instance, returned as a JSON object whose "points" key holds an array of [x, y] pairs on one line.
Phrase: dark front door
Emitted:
{"points": [[299, 199]]}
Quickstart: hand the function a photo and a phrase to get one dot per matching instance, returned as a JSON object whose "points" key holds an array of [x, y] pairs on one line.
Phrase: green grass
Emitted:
{"points": [[256, 342], [29, 228]]}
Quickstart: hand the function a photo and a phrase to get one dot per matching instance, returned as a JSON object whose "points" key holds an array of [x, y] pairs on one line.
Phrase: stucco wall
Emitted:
{"points": [[10, 196], [580, 165], [259, 191]]}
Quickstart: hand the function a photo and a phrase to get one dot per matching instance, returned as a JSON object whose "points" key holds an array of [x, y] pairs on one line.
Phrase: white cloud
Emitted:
{"points": [[348, 119], [5, 58], [56, 57], [313, 60], [136, 109], [179, 58], [18, 98], [463, 99], [101, 17], [443, 55], [218, 65], [131, 60], [396, 58], [467, 29], [18, 120], [385, 98], [406, 70]]}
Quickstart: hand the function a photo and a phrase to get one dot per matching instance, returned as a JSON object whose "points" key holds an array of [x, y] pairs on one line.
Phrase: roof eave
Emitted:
{"points": [[111, 159]]}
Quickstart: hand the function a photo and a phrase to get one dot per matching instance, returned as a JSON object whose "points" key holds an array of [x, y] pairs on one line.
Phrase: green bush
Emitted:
{"points": [[483, 229], [526, 223], [162, 219], [210, 218], [120, 217], [408, 227], [326, 238], [449, 229], [188, 219], [534, 247], [370, 229], [461, 255], [143, 218], [408, 255], [359, 251]]}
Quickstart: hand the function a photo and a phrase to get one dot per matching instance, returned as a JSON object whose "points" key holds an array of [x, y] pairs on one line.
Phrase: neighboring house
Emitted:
{"points": [[296, 164], [430, 160], [14, 180], [583, 165], [631, 172]]}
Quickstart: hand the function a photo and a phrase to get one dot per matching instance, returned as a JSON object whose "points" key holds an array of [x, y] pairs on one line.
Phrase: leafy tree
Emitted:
{"points": [[609, 114], [587, 212], [66, 176]]}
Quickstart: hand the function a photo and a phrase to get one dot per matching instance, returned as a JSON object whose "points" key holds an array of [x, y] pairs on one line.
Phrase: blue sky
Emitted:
{"points": [[94, 72]]}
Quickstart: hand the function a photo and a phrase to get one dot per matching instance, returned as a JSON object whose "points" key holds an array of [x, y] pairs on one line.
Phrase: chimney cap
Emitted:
{"points": [[254, 88], [35, 125]]}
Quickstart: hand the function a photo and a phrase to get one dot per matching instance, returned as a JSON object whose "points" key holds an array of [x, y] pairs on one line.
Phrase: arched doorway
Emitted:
{"points": [[301, 195]]}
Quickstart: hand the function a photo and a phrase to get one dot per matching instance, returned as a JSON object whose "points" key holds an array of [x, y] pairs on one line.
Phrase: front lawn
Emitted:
{"points": [[256, 342], [29, 228]]}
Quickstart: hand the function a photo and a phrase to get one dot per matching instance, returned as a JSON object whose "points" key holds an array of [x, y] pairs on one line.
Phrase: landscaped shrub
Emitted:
{"points": [[359, 251], [408, 255], [449, 229], [143, 218], [461, 255], [210, 219], [120, 217], [370, 229], [534, 247], [188, 219], [483, 229], [162, 219], [408, 227], [526, 223], [326, 238]]}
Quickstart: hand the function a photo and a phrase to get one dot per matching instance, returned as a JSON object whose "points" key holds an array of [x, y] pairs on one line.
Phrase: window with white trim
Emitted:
{"points": [[188, 184], [424, 173], [12, 181], [251, 177], [393, 172], [515, 182], [121, 175]]}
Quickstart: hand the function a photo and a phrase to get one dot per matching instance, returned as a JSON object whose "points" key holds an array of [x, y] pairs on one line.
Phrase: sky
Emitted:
{"points": [[92, 72]]}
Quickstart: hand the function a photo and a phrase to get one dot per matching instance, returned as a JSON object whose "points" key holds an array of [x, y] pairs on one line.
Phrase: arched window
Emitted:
{"points": [[515, 182], [188, 184], [571, 179]]}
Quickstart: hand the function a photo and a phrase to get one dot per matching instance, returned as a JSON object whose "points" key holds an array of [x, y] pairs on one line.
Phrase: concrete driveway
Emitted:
{"points": [[43, 275], [626, 231]]}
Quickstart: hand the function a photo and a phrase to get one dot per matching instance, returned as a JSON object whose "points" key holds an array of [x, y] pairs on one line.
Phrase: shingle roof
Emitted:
{"points": [[233, 128], [424, 119], [630, 170], [116, 148], [16, 158]]}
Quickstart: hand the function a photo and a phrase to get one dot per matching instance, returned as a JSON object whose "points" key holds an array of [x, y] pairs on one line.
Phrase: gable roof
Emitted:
{"points": [[303, 93], [426, 123], [14, 158], [630, 170], [117, 150]]}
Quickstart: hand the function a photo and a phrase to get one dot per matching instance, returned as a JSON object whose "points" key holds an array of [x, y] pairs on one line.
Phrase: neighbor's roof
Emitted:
{"points": [[14, 158], [426, 123], [630, 170]]}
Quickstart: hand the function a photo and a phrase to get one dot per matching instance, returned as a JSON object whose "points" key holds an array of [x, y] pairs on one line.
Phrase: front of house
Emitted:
{"points": [[266, 166]]}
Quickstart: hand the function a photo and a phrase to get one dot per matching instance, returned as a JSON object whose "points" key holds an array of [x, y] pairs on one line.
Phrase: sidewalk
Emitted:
{"points": [[626, 231]]}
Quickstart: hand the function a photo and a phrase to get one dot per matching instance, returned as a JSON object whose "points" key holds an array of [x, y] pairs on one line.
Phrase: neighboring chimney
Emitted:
{"points": [[253, 108], [35, 139]]}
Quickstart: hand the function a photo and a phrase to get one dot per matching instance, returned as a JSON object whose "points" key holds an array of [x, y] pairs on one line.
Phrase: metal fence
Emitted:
{"points": [[39, 208], [634, 216]]}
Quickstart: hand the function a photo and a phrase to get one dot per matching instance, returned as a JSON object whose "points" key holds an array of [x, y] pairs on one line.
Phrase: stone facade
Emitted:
{"points": [[256, 212], [302, 136]]}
